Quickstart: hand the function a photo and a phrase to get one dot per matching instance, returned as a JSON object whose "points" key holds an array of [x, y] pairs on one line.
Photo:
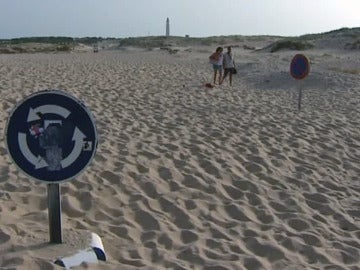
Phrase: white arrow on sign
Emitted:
{"points": [[47, 109], [78, 137], [38, 162]]}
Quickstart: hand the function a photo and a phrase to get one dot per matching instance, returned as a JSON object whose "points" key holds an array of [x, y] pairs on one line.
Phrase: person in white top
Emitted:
{"points": [[229, 65]]}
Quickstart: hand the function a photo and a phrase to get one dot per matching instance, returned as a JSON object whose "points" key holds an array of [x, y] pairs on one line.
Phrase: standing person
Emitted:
{"points": [[229, 65], [216, 59]]}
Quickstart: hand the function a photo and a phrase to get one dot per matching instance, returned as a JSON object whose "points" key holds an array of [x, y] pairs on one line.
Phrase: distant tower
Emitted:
{"points": [[167, 27]]}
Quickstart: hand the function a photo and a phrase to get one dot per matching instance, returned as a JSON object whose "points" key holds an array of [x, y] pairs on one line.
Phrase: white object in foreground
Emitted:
{"points": [[92, 254]]}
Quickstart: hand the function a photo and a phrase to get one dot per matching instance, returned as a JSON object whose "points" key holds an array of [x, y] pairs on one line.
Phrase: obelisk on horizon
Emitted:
{"points": [[167, 27]]}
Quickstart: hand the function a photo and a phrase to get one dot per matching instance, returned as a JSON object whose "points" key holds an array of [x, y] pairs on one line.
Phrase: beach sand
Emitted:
{"points": [[187, 177]]}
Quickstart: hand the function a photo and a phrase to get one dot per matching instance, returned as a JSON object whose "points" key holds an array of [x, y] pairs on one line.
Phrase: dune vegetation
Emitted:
{"points": [[350, 38]]}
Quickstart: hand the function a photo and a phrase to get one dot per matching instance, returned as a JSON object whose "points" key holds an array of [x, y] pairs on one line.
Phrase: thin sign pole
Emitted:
{"points": [[54, 208], [299, 99], [300, 86]]}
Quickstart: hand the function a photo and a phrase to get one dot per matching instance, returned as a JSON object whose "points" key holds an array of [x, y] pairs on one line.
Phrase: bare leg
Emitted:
{"points": [[215, 72], [220, 76], [223, 78], [225, 74], [230, 78]]}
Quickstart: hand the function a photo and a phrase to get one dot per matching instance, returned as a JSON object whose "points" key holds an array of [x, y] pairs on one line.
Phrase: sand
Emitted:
{"points": [[187, 177]]}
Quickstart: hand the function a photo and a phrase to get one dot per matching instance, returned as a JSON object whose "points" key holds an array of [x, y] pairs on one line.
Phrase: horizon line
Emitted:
{"points": [[182, 36]]}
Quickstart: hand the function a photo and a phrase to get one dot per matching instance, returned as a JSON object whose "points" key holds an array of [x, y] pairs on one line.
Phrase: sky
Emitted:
{"points": [[196, 18]]}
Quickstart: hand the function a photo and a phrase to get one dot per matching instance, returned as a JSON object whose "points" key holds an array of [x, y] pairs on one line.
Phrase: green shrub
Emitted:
{"points": [[6, 50], [246, 47], [51, 40], [19, 49], [63, 48], [353, 46], [290, 45]]}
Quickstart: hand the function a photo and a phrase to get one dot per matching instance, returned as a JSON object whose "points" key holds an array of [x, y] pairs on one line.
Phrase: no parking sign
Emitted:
{"points": [[299, 69]]}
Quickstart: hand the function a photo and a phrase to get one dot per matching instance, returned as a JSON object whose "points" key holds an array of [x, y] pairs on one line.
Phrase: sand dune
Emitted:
{"points": [[187, 177]]}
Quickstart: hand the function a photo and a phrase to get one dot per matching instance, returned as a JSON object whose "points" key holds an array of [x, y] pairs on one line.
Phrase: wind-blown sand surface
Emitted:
{"points": [[187, 177]]}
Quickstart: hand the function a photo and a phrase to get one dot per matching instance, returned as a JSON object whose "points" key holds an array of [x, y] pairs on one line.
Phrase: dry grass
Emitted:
{"points": [[345, 70]]}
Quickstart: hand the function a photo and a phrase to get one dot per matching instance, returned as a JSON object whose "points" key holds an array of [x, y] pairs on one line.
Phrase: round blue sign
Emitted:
{"points": [[51, 136], [299, 67]]}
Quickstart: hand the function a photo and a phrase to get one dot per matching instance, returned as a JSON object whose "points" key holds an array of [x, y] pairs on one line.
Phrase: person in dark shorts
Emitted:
{"points": [[229, 65]]}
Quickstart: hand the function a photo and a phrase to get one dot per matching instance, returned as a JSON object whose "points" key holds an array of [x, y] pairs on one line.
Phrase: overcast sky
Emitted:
{"points": [[197, 18]]}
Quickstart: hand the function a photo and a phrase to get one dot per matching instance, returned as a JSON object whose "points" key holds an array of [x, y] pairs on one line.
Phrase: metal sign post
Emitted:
{"points": [[299, 99], [51, 137], [299, 69], [300, 86], [54, 210]]}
